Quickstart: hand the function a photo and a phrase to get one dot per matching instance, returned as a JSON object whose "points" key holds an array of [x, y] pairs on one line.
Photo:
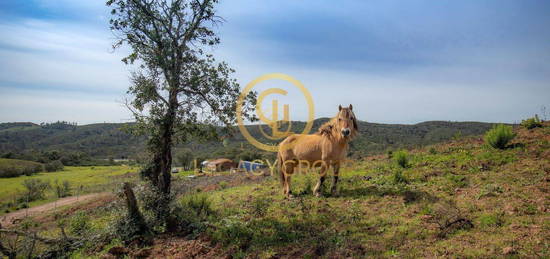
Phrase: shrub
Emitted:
{"points": [[491, 220], [198, 206], [35, 189], [15, 167], [398, 177], [531, 123], [499, 136], [79, 224], [62, 189], [193, 213], [54, 166], [401, 157]]}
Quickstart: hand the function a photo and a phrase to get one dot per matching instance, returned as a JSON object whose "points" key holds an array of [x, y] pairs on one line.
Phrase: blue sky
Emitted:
{"points": [[395, 61]]}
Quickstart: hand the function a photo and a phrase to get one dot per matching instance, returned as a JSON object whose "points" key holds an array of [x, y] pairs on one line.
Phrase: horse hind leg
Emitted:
{"points": [[333, 189], [288, 169]]}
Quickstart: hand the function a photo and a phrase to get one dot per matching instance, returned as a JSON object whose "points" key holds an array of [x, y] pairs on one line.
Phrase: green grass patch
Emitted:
{"points": [[82, 180]]}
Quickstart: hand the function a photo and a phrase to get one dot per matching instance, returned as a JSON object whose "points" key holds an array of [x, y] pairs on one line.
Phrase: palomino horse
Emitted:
{"points": [[327, 147]]}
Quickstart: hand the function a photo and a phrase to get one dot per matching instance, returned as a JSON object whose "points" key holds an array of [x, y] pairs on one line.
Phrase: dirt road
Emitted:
{"points": [[13, 217]]}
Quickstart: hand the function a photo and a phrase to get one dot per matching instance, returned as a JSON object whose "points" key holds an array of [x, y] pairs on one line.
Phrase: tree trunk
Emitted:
{"points": [[133, 209]]}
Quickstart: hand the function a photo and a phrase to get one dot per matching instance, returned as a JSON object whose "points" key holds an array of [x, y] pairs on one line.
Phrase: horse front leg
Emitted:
{"points": [[322, 173], [333, 189]]}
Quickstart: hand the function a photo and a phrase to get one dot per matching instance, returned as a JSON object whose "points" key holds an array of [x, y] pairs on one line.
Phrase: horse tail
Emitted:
{"points": [[280, 167]]}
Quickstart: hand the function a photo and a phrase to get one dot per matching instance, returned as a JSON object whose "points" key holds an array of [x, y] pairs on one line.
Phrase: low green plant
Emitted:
{"points": [[531, 123], [398, 177], [457, 180], [260, 206], [62, 189], [401, 157], [490, 190], [491, 220], [35, 189], [223, 184], [79, 224], [499, 136]]}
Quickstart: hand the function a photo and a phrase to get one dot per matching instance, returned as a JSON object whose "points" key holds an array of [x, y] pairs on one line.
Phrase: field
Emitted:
{"points": [[460, 199], [82, 179]]}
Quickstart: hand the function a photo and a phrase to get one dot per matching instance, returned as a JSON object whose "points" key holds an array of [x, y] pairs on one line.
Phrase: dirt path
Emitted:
{"points": [[13, 217], [205, 183]]}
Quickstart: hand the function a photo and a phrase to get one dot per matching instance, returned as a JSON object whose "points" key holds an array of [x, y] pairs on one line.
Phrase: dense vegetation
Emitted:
{"points": [[94, 144], [74, 145], [15, 167]]}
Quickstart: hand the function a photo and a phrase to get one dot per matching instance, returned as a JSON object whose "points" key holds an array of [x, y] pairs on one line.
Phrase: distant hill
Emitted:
{"points": [[102, 140], [108, 140]]}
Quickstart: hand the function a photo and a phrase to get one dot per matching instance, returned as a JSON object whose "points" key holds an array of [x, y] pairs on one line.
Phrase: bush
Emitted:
{"points": [[531, 123], [401, 157], [499, 136], [54, 166], [193, 213], [79, 224], [398, 177], [35, 189], [62, 189], [15, 167]]}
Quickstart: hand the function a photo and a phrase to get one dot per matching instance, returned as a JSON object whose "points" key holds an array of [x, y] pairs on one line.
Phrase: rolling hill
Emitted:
{"points": [[109, 140]]}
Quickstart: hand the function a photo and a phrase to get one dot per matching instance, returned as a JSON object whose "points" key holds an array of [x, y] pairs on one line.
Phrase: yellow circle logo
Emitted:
{"points": [[274, 122]]}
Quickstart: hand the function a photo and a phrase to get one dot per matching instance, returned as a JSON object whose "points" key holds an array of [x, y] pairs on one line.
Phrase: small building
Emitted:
{"points": [[250, 166], [221, 164]]}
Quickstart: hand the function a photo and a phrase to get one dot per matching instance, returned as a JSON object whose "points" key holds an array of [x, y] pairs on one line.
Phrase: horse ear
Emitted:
{"points": [[339, 107], [351, 107]]}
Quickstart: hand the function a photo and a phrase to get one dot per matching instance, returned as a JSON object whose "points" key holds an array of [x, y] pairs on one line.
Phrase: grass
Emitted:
{"points": [[388, 210], [461, 200], [89, 179]]}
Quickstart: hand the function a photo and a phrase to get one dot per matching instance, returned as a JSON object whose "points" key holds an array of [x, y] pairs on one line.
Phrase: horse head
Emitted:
{"points": [[346, 123]]}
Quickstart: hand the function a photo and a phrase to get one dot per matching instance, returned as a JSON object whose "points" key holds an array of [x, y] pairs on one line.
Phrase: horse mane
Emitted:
{"points": [[328, 128]]}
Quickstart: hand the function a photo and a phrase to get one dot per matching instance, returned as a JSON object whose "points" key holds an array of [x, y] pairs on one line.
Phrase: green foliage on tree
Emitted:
{"points": [[185, 158], [34, 189], [499, 136], [62, 189], [54, 166], [178, 91]]}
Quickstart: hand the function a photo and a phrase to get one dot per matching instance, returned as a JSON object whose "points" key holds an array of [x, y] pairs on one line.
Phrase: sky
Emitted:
{"points": [[395, 61]]}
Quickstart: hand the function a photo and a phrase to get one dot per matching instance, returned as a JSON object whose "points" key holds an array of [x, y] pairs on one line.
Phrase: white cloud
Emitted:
{"points": [[60, 55]]}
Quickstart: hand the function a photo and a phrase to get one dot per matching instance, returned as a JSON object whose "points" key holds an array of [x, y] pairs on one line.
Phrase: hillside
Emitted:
{"points": [[106, 140], [460, 199]]}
